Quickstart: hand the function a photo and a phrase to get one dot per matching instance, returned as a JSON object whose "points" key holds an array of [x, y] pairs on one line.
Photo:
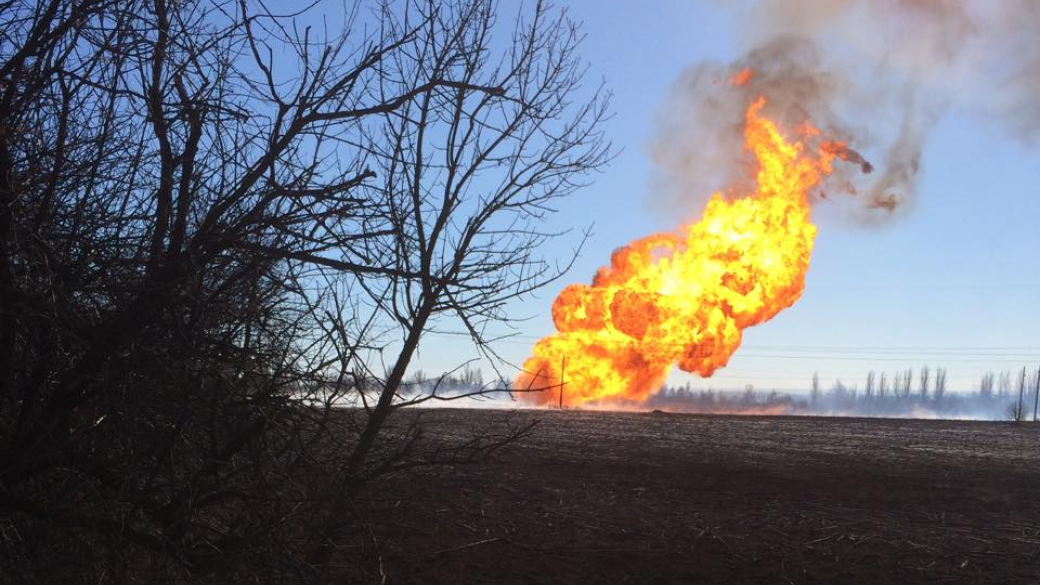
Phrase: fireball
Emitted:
{"points": [[684, 298]]}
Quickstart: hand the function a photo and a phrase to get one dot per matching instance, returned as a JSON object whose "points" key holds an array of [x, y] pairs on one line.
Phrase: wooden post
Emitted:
{"points": [[1020, 414], [563, 378], [1036, 397]]}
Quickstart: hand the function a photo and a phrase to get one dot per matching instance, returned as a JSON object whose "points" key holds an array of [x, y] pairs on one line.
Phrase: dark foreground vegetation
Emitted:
{"points": [[220, 222], [599, 497]]}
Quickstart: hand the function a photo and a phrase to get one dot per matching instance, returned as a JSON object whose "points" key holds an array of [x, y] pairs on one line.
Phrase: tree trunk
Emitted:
{"points": [[386, 398]]}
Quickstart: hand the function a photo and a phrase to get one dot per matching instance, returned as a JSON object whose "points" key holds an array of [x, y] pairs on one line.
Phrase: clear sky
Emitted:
{"points": [[953, 283]]}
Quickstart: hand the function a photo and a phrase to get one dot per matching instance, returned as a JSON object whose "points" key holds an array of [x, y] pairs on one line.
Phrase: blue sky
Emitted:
{"points": [[953, 283]]}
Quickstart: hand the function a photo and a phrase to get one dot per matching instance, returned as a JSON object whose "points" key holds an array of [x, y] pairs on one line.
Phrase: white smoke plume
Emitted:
{"points": [[877, 74]]}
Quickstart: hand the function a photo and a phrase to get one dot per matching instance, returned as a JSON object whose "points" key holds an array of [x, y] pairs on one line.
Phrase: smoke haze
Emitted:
{"points": [[876, 73]]}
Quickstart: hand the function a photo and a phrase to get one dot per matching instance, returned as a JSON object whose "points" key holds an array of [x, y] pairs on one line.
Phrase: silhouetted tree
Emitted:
{"points": [[1018, 407], [1004, 385], [748, 399], [940, 384], [215, 223], [466, 172], [986, 386]]}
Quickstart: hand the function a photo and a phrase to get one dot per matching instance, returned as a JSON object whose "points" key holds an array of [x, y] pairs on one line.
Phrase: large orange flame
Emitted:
{"points": [[684, 298]]}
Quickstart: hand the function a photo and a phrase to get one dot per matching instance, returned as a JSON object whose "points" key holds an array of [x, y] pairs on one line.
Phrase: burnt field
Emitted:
{"points": [[597, 497]]}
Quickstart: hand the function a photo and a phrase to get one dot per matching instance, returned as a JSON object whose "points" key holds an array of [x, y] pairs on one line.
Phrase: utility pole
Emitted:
{"points": [[1036, 396], [563, 378]]}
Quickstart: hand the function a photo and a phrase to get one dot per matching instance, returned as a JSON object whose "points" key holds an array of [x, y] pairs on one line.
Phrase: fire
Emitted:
{"points": [[742, 77], [684, 298]]}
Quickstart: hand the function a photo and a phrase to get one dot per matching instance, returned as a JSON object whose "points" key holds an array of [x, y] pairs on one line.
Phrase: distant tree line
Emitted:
{"points": [[1006, 395]]}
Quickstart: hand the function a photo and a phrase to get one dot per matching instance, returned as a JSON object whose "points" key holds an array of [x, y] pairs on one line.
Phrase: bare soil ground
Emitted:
{"points": [[652, 498]]}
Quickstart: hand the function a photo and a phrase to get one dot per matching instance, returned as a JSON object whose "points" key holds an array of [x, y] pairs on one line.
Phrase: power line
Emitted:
{"points": [[894, 347], [871, 358], [798, 348]]}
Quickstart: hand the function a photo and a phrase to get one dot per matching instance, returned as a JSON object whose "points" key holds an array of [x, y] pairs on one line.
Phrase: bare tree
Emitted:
{"points": [[924, 384], [814, 392], [940, 384], [840, 393], [908, 382], [899, 384], [214, 221], [748, 399], [465, 179], [868, 389], [1004, 385], [986, 386]]}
